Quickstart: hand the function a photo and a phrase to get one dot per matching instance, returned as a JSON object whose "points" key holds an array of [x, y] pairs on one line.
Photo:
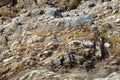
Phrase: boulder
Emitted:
{"points": [[35, 12]]}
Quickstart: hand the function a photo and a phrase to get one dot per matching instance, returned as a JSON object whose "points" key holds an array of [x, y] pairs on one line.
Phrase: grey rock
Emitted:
{"points": [[33, 39], [18, 20], [102, 73], [61, 23], [88, 43], [9, 28], [16, 34], [115, 62], [13, 45], [29, 75], [76, 21], [89, 77], [111, 17], [8, 59], [114, 11], [115, 32], [3, 40], [3, 48], [47, 53], [118, 20], [95, 30], [72, 13], [92, 15], [55, 12], [35, 12], [112, 76], [25, 33], [107, 45], [1, 30]]}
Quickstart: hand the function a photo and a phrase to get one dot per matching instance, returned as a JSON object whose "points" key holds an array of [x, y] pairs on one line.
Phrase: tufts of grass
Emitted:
{"points": [[114, 39], [115, 50], [118, 0]]}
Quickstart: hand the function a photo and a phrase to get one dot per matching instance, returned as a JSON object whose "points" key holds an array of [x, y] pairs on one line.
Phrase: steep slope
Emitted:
{"points": [[45, 42]]}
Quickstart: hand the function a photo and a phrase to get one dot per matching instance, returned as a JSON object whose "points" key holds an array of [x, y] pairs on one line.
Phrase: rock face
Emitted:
{"points": [[59, 39]]}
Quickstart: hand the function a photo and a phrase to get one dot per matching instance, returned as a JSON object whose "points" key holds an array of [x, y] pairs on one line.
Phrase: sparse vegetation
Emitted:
{"points": [[69, 35], [115, 49], [114, 39]]}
